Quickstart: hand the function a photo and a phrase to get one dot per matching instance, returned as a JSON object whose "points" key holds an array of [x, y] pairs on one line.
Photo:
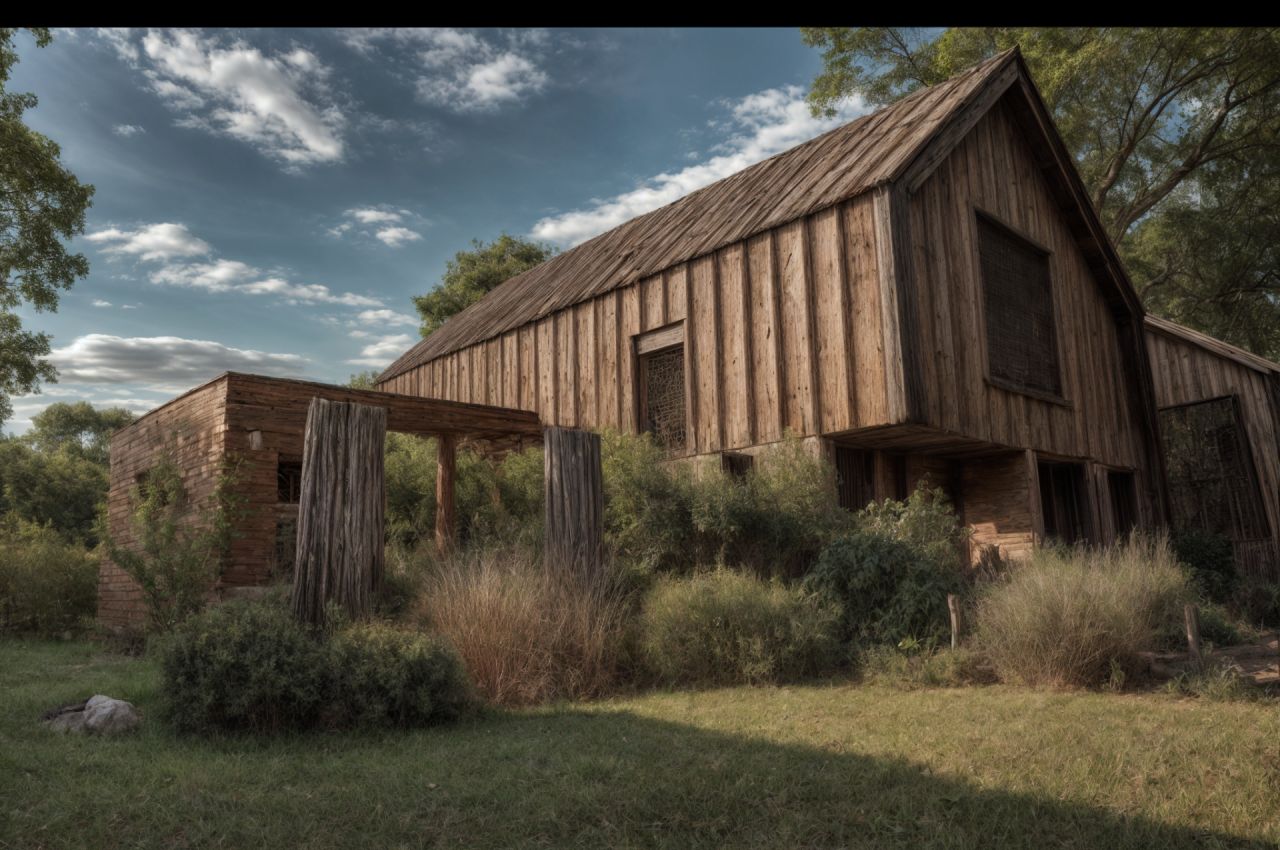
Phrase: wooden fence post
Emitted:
{"points": [[574, 500], [1191, 616], [446, 476], [340, 510], [953, 606]]}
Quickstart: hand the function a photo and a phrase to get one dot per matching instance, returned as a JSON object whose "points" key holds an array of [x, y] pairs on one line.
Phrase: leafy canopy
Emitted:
{"points": [[41, 204], [78, 427], [1175, 132], [470, 275]]}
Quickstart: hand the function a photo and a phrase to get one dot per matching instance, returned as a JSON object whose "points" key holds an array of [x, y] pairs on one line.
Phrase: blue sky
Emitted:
{"points": [[269, 200]]}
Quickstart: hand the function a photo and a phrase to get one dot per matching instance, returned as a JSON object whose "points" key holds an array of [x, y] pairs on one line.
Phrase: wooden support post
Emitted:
{"points": [[574, 500], [446, 475], [1192, 617], [953, 606]]}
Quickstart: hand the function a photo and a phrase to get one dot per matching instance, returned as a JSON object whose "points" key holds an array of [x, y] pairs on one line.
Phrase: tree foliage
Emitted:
{"points": [[1174, 131], [472, 274], [41, 205], [78, 427], [60, 489]]}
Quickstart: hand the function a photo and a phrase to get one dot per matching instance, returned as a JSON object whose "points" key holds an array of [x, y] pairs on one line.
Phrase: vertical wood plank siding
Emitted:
{"points": [[782, 332]]}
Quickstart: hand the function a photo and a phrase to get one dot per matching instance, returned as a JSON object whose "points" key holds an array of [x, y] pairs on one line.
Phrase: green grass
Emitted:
{"points": [[817, 766]]}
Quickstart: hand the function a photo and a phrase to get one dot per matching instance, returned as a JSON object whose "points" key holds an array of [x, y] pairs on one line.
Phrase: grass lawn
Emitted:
{"points": [[821, 766]]}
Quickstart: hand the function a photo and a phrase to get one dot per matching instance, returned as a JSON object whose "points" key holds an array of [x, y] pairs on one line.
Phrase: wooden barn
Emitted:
{"points": [[924, 291], [1219, 409], [258, 424]]}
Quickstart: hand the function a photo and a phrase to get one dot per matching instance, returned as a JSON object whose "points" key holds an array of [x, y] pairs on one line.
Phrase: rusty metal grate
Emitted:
{"points": [[1210, 470], [1022, 346], [662, 407]]}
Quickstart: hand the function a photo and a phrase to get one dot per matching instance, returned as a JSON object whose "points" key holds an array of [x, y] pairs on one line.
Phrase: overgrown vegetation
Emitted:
{"points": [[250, 666], [47, 585], [726, 627], [178, 544], [1079, 617]]}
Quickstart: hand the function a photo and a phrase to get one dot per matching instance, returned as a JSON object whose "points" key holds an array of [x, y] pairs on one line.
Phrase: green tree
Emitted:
{"points": [[1168, 127], [79, 428], [472, 274], [60, 489], [41, 205]]}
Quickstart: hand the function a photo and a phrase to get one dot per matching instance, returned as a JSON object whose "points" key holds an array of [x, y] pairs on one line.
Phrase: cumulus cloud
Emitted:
{"points": [[384, 317], [379, 354], [373, 216], [467, 70], [163, 361], [128, 130], [384, 224], [759, 126], [280, 104], [397, 236], [98, 302], [165, 241]]}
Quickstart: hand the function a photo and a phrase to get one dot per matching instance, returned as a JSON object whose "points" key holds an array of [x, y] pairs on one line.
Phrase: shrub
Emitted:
{"points": [[242, 666], [926, 522], [1211, 559], [724, 627], [381, 676], [250, 666], [1258, 601], [47, 586], [527, 634], [924, 667], [1216, 626], [1079, 617], [648, 504], [887, 589]]}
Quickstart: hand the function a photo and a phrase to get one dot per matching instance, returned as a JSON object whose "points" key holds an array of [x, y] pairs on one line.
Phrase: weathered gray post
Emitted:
{"points": [[574, 500]]}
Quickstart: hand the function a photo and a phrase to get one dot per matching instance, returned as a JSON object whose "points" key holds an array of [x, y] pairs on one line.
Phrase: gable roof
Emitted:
{"points": [[1213, 345], [905, 138]]}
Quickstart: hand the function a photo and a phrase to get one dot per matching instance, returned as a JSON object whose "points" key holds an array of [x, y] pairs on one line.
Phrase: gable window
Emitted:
{"points": [[1017, 298], [661, 393], [1212, 484], [1064, 502]]}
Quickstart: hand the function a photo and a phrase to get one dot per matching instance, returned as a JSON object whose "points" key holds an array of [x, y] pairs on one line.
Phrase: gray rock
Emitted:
{"points": [[100, 715]]}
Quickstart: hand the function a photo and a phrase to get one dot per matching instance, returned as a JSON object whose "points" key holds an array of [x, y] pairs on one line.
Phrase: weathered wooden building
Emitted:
{"points": [[1219, 409], [255, 426], [925, 290]]}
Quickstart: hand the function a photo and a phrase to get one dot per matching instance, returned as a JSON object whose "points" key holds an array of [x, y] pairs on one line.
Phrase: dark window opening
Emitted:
{"points": [[1124, 501], [662, 412], [1022, 346], [1212, 481], [1064, 502], [288, 481], [898, 469], [855, 477], [736, 464]]}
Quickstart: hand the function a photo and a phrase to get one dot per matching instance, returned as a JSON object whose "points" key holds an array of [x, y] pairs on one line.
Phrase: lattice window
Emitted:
{"points": [[1022, 345], [662, 410], [1210, 470]]}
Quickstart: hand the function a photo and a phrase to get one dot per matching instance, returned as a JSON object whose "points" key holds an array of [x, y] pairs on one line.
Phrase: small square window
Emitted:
{"points": [[288, 481]]}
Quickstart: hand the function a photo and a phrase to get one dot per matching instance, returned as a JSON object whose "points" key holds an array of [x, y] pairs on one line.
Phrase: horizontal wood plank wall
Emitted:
{"points": [[1185, 372], [782, 333], [197, 424], [993, 170]]}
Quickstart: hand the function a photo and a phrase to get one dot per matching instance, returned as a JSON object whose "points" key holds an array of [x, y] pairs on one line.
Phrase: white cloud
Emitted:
{"points": [[760, 125], [385, 317], [379, 354], [307, 292], [465, 70], [163, 362], [277, 103], [373, 216], [397, 236], [128, 130], [98, 302], [165, 241]]}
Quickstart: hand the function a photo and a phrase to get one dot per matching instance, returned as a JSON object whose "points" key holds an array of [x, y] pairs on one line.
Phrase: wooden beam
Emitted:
{"points": [[446, 474]]}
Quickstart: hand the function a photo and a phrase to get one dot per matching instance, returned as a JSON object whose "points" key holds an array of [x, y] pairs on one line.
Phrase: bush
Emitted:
{"points": [[926, 522], [1258, 601], [924, 667], [648, 504], [527, 634], [242, 666], [887, 589], [381, 676], [250, 666], [1211, 559], [47, 586], [1079, 617], [724, 627]]}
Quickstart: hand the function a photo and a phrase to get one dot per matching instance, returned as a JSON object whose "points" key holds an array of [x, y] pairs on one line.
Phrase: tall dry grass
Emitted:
{"points": [[527, 634], [1079, 617]]}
